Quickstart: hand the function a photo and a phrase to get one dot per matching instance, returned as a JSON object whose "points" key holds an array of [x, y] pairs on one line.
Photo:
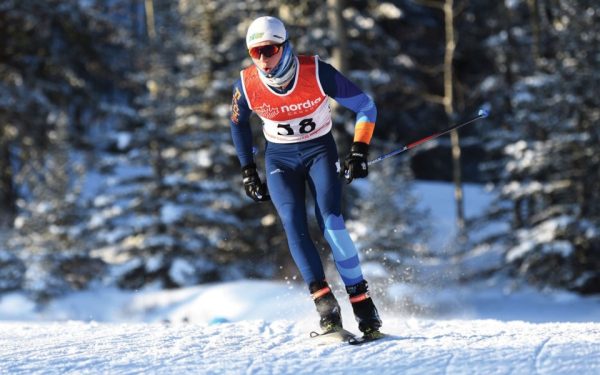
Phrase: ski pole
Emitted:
{"points": [[481, 114]]}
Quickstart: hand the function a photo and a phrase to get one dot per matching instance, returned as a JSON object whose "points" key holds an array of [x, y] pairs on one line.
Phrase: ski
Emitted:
{"points": [[344, 336], [367, 338], [332, 337]]}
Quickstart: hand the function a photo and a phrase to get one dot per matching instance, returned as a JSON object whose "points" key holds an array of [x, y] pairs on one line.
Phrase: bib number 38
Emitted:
{"points": [[305, 126]]}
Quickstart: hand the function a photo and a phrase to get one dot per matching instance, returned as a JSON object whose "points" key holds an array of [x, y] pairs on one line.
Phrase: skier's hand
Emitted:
{"points": [[355, 164], [255, 189]]}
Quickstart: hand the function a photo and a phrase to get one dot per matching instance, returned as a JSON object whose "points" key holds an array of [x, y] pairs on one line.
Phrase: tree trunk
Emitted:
{"points": [[150, 24], [535, 29], [448, 101], [339, 57], [8, 195]]}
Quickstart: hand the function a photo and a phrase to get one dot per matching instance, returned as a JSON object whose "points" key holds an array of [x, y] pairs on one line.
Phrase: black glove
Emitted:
{"points": [[255, 189], [355, 164]]}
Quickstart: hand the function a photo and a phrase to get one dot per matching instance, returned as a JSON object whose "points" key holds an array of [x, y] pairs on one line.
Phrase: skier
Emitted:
{"points": [[290, 95]]}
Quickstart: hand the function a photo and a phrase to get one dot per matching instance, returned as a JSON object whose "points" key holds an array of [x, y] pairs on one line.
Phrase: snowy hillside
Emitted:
{"points": [[263, 327]]}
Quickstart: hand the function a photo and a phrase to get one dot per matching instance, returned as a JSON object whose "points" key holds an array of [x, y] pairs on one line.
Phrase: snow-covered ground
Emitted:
{"points": [[262, 327], [281, 347]]}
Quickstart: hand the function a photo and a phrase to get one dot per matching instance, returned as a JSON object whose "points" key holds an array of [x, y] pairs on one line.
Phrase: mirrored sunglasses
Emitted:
{"points": [[267, 51]]}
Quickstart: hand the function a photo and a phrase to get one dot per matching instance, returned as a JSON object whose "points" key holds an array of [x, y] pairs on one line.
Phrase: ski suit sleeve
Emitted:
{"points": [[241, 133], [343, 91]]}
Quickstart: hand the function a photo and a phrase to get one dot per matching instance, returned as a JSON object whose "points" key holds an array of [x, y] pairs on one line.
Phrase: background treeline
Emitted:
{"points": [[116, 163]]}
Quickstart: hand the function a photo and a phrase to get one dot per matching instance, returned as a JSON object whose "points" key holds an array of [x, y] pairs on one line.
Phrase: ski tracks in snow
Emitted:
{"points": [[284, 347]]}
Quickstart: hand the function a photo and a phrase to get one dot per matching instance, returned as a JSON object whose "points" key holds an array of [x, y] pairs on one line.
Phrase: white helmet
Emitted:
{"points": [[265, 29]]}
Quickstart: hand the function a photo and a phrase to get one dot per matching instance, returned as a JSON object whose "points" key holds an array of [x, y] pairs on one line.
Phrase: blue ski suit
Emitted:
{"points": [[301, 151]]}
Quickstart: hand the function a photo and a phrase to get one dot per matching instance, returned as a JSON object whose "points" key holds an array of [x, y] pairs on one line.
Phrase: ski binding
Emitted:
{"points": [[344, 336]]}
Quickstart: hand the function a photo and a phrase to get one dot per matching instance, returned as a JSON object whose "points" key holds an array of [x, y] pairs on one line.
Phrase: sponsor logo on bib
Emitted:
{"points": [[266, 111], [298, 107]]}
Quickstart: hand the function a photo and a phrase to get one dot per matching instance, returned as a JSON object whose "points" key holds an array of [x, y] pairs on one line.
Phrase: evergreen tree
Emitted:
{"points": [[547, 152], [391, 231], [116, 162], [59, 65]]}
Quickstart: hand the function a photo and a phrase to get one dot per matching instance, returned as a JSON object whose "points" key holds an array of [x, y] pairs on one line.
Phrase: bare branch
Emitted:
{"points": [[437, 99]]}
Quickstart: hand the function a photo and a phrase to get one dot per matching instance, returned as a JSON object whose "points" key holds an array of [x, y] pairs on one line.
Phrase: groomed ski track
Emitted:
{"points": [[284, 347]]}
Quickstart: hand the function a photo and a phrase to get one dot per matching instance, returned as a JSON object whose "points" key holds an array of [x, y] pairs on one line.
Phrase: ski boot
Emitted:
{"points": [[327, 307], [365, 311]]}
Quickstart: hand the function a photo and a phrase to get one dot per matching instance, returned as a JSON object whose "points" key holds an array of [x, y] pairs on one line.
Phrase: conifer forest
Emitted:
{"points": [[117, 165]]}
